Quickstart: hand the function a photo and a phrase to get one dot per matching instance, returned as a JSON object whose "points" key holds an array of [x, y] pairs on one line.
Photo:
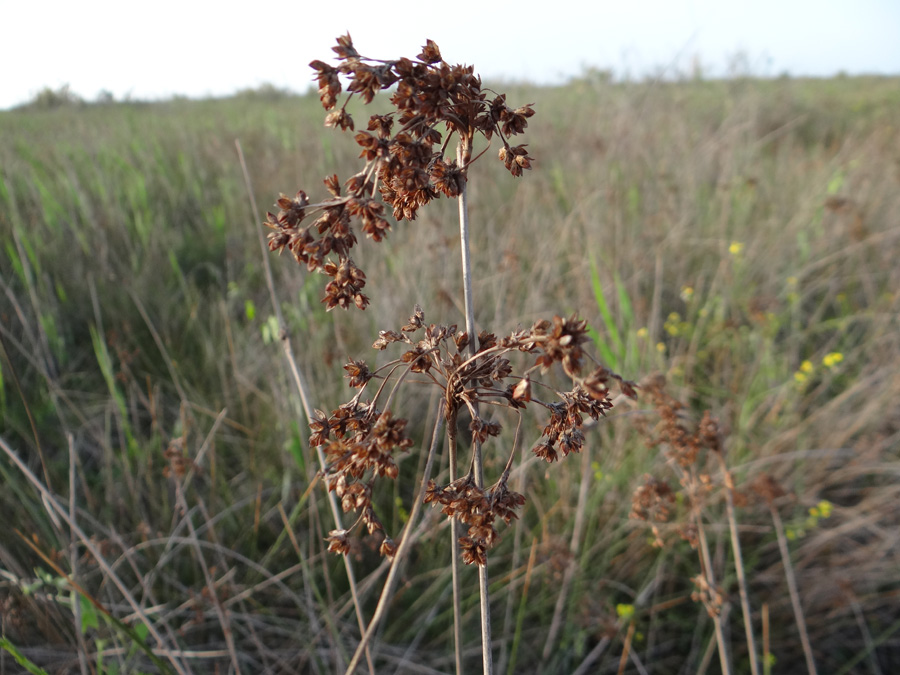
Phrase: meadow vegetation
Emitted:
{"points": [[733, 246]]}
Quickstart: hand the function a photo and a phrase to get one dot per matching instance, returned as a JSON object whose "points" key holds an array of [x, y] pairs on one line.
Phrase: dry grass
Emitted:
{"points": [[135, 318]]}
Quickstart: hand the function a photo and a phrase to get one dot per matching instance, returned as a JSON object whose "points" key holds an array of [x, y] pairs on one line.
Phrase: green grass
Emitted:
{"points": [[134, 314]]}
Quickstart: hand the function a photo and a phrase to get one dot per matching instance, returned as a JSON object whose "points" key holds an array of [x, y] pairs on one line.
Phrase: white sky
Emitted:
{"points": [[200, 48]]}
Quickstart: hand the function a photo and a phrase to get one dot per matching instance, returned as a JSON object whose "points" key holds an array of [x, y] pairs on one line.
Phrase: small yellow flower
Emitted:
{"points": [[792, 281], [661, 347], [643, 333], [824, 507], [803, 372], [687, 293], [625, 611], [735, 248], [673, 324], [832, 359]]}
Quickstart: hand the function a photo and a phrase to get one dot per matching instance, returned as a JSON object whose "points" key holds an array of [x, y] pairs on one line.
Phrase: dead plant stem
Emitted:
{"points": [[406, 541], [452, 440], [739, 564], [302, 390], [792, 588], [706, 561], [574, 545], [463, 151], [73, 559]]}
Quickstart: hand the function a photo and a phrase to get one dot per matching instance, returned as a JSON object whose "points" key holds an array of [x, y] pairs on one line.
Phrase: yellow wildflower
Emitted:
{"points": [[832, 359]]}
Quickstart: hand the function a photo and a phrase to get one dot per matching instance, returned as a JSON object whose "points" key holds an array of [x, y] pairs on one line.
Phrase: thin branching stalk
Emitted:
{"points": [[507, 662], [405, 543], [626, 648], [452, 441], [739, 563], [792, 588], [706, 561], [303, 391], [463, 152], [572, 568], [592, 656], [207, 576], [73, 559]]}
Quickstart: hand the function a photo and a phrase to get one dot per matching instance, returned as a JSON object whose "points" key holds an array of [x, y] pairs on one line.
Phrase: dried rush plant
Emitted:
{"points": [[406, 167]]}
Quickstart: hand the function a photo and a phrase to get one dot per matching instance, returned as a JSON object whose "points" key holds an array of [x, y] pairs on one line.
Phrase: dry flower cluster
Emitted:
{"points": [[404, 152], [359, 440]]}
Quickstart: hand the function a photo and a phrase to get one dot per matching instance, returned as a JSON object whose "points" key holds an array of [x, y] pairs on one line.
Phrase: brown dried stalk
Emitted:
{"points": [[767, 487], [405, 168], [303, 392]]}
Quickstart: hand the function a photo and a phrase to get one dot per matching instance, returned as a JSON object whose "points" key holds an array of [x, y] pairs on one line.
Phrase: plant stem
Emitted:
{"points": [[303, 391], [463, 151], [706, 564], [405, 543], [792, 588], [572, 567], [739, 563], [454, 547]]}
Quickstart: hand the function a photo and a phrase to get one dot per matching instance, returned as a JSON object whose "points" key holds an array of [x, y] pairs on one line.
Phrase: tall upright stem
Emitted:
{"points": [[463, 152], [454, 548], [406, 541], [303, 391], [792, 589], [739, 564]]}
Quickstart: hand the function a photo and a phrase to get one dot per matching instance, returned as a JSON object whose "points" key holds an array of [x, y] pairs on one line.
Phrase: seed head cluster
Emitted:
{"points": [[360, 441], [404, 153]]}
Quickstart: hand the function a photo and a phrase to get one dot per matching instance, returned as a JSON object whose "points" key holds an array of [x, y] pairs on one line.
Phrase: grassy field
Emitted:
{"points": [[738, 238]]}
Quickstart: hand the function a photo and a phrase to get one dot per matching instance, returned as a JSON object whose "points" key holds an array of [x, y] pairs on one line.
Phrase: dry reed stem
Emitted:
{"points": [[463, 150], [302, 390], [792, 589], [516, 555], [404, 546], [626, 648], [73, 558], [571, 566], [224, 621], [706, 563], [452, 443], [592, 656], [739, 563]]}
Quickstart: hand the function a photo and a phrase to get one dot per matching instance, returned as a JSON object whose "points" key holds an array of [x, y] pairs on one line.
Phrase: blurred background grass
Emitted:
{"points": [[739, 237]]}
